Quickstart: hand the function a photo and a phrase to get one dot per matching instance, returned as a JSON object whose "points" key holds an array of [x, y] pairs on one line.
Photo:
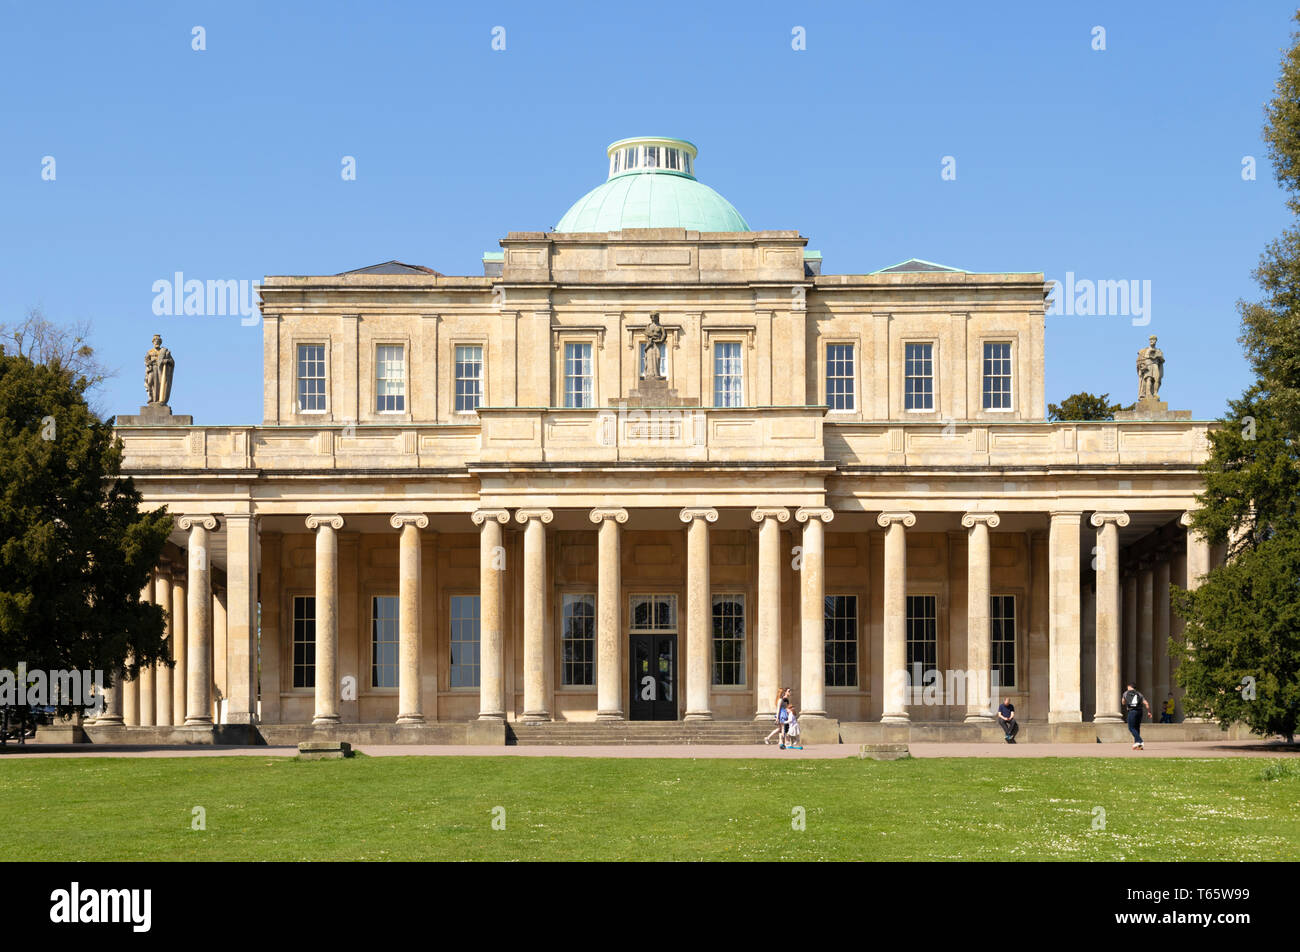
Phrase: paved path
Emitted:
{"points": [[1227, 748]]}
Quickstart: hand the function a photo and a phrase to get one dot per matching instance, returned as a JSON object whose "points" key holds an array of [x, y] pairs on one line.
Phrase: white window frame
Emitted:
{"points": [[455, 378], [395, 641], [567, 598], [852, 378], [298, 345], [1010, 375], [739, 344], [934, 376], [451, 631], [406, 376]]}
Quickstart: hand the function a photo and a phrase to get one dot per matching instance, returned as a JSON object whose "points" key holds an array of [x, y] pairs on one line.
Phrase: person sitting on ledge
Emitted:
{"points": [[1007, 720]]}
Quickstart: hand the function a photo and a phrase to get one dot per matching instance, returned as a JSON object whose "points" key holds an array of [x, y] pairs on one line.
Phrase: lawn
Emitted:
{"points": [[443, 808]]}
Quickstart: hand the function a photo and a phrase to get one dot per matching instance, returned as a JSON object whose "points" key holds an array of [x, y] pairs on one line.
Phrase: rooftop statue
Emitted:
{"points": [[158, 366], [1151, 370]]}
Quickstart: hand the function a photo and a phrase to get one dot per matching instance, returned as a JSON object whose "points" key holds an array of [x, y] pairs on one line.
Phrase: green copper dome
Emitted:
{"points": [[652, 185]]}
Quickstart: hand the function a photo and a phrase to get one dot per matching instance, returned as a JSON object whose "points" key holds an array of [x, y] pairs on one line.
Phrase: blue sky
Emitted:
{"points": [[1122, 164]]}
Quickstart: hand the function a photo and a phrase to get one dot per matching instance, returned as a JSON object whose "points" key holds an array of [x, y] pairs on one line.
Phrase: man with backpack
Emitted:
{"points": [[1132, 703]]}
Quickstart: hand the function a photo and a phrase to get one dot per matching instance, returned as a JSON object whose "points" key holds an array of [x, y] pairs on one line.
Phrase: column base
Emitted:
{"points": [[492, 715], [984, 718], [1108, 719], [610, 716], [410, 719], [895, 717], [107, 720], [813, 714], [325, 720], [535, 717], [698, 716], [769, 716], [198, 722], [1065, 717]]}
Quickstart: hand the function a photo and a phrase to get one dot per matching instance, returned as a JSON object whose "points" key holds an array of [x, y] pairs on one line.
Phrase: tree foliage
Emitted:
{"points": [[1084, 406], [75, 549], [1243, 621]]}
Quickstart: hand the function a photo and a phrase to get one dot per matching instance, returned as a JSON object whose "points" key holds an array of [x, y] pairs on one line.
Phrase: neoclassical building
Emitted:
{"points": [[655, 465]]}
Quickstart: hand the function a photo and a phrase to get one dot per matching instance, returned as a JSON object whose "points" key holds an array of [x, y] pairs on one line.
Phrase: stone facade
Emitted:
{"points": [[962, 532]]}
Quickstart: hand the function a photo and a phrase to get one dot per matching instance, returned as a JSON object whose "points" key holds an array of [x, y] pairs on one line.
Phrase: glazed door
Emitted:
{"points": [[653, 688]]}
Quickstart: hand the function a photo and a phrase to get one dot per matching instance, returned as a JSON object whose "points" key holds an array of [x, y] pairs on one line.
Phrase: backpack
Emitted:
{"points": [[1132, 700]]}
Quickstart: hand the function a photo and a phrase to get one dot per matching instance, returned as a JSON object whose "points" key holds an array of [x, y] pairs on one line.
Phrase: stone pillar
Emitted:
{"points": [[180, 648], [979, 665], [1160, 636], [241, 619], [1199, 561], [1130, 627], [536, 611], [147, 704], [1146, 588], [895, 627], [1066, 704], [812, 600], [491, 575], [1177, 576], [198, 621], [769, 609], [163, 671], [111, 716], [699, 612], [130, 697], [326, 528], [1109, 615], [410, 709], [609, 615]]}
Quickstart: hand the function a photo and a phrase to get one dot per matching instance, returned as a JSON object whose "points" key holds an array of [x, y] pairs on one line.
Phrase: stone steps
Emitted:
{"points": [[637, 732]]}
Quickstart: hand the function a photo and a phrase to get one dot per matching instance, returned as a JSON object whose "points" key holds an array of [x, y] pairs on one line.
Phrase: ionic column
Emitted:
{"points": [[130, 697], [111, 716], [609, 602], [536, 612], [1199, 562], [1063, 623], [491, 575], [146, 680], [241, 618], [1160, 634], [979, 667], [180, 650], [198, 621], [699, 612], [895, 621], [1146, 589], [326, 528], [769, 608], [812, 610], [163, 673], [410, 708], [1109, 615]]}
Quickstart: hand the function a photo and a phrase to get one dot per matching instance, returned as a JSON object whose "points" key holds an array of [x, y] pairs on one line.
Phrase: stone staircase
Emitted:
{"points": [[679, 733]]}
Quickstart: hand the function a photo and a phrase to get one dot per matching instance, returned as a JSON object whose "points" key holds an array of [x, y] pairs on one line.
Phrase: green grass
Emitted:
{"points": [[438, 808]]}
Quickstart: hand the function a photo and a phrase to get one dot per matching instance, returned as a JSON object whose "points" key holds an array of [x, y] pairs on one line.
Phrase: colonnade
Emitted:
{"points": [[1133, 621]]}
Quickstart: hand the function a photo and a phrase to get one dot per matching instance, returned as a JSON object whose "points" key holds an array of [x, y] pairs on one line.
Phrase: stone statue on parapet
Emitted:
{"points": [[158, 368], [1151, 370], [655, 335]]}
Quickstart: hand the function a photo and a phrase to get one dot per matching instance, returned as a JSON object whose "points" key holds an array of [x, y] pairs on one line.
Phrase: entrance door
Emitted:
{"points": [[653, 689]]}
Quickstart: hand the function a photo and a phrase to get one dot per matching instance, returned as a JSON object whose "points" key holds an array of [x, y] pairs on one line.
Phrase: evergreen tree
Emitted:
{"points": [[1241, 657], [1084, 406]]}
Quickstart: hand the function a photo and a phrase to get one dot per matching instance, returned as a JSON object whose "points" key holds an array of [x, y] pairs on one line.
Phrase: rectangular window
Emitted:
{"points": [[578, 640], [311, 378], [469, 377], [652, 157], [728, 375], [729, 639], [304, 641], [922, 638], [841, 641], [840, 377], [1002, 625], [383, 641], [390, 379], [918, 377], [577, 375], [464, 641], [653, 613], [997, 375]]}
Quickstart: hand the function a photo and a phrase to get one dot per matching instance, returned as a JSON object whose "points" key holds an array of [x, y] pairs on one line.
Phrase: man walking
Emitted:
{"points": [[1132, 703]]}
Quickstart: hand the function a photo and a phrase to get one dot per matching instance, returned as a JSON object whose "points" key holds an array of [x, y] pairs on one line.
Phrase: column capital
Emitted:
{"points": [[524, 515], [779, 513], [189, 521], [317, 520], [1185, 520], [399, 519], [481, 516], [804, 513], [887, 519], [1072, 516], [971, 519], [1099, 519], [691, 513], [600, 515]]}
